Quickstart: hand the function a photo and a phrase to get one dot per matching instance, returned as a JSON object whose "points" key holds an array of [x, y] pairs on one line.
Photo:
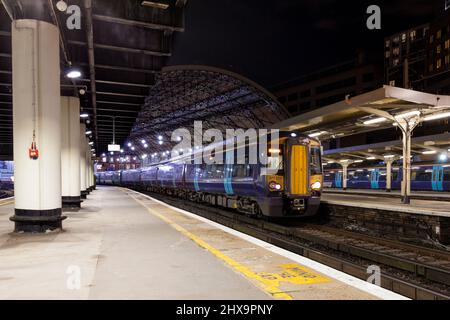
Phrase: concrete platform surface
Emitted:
{"points": [[123, 245], [373, 201]]}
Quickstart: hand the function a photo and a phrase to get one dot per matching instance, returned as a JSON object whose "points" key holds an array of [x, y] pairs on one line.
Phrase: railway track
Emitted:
{"points": [[413, 271]]}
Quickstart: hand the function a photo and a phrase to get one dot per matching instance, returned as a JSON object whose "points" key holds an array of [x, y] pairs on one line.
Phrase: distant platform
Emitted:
{"points": [[124, 245], [418, 195], [388, 201]]}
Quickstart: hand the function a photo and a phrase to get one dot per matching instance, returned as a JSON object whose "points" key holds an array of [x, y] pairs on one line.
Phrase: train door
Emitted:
{"points": [[437, 178], [375, 179], [299, 170], [338, 179]]}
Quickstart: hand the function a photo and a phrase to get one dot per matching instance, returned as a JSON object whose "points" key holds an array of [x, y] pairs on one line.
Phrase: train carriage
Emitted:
{"points": [[292, 188]]}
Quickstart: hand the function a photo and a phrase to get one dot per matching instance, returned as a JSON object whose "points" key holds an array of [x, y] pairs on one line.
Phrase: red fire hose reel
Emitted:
{"points": [[33, 151]]}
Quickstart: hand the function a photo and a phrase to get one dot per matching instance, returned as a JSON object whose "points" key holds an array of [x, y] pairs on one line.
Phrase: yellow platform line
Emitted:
{"points": [[265, 284]]}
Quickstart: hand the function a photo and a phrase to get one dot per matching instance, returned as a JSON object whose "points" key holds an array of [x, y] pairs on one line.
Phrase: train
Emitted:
{"points": [[424, 177], [6, 178], [292, 189]]}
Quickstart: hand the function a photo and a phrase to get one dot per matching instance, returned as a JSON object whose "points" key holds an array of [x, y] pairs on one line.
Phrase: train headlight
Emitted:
{"points": [[274, 186], [316, 186]]}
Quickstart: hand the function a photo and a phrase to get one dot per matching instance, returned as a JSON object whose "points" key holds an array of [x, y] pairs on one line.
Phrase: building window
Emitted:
{"points": [[447, 59], [404, 37], [438, 49], [431, 39], [292, 97], [412, 35], [438, 63], [447, 44], [438, 34], [388, 54], [388, 43], [396, 51]]}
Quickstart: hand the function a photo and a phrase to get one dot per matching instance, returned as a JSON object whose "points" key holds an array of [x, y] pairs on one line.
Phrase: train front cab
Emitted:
{"points": [[295, 190]]}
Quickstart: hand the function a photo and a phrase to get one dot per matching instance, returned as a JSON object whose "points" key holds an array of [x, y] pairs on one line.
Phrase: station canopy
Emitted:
{"points": [[219, 98], [376, 110]]}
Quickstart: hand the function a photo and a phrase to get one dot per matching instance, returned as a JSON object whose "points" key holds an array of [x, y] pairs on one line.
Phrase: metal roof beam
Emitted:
{"points": [[123, 49], [135, 23]]}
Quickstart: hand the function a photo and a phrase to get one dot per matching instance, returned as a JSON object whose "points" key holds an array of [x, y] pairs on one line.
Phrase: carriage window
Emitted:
{"points": [[315, 161]]}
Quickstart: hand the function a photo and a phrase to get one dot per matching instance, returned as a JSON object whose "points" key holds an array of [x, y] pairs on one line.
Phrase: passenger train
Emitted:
{"points": [[424, 177], [293, 189]]}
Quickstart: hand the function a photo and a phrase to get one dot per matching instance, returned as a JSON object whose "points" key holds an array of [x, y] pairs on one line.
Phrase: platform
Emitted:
{"points": [[123, 245], [418, 195]]}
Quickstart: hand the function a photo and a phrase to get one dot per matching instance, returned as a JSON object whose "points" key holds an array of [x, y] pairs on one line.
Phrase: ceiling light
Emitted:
{"points": [[129, 144], [357, 161], [88, 132], [375, 121], [61, 5], [160, 142], [156, 5], [317, 134], [143, 141], [389, 156], [370, 158], [437, 116], [430, 152], [73, 74], [84, 115], [293, 135], [443, 157]]}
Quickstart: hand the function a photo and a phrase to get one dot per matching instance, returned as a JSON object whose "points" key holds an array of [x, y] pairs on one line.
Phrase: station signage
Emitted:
{"points": [[114, 148]]}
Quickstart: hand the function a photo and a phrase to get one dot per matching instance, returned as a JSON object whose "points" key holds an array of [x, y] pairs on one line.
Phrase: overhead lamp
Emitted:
{"points": [[370, 158], [143, 141], [374, 121], [407, 115], [357, 161], [61, 6], [121, 151], [160, 138], [389, 156], [443, 157], [73, 73], [145, 146], [437, 116], [429, 152], [89, 132], [293, 135], [344, 161], [317, 134], [84, 115], [133, 148], [91, 143], [154, 4], [160, 142]]}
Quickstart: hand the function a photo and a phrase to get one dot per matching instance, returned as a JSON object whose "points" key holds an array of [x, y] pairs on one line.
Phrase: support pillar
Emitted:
{"points": [[406, 181], [82, 159], [389, 175], [88, 166], [344, 176], [70, 152], [36, 118]]}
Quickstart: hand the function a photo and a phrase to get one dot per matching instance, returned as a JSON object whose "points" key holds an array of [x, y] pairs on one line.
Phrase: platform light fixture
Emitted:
{"points": [[374, 121], [84, 115], [133, 148], [408, 115], [443, 157], [160, 142], [428, 152], [370, 158], [91, 143], [89, 132], [357, 161], [156, 5], [437, 116], [389, 156], [317, 134], [143, 141], [293, 135]]}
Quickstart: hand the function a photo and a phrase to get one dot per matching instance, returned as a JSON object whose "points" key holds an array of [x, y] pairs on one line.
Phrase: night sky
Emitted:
{"points": [[274, 41]]}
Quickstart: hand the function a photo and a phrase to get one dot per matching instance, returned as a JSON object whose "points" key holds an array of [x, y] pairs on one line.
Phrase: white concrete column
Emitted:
{"points": [[406, 182], [389, 175], [88, 165], [344, 176], [36, 117], [82, 158], [70, 151]]}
